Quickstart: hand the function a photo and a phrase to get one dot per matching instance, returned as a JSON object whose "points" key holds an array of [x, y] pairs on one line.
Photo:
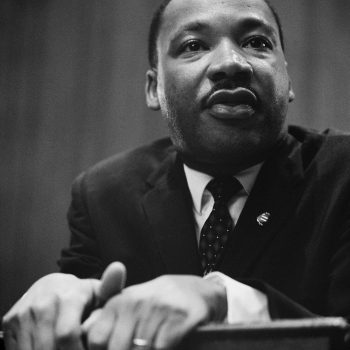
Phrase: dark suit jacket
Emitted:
{"points": [[136, 208]]}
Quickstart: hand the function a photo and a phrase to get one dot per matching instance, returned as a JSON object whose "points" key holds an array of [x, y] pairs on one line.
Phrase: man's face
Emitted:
{"points": [[221, 80]]}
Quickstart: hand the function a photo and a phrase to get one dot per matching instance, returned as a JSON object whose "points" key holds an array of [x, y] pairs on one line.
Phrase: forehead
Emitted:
{"points": [[178, 13]]}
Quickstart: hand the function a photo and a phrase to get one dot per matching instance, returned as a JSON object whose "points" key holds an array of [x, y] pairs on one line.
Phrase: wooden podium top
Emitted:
{"points": [[302, 334], [306, 334]]}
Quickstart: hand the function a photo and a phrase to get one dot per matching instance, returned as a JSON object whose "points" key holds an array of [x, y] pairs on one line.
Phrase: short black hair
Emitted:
{"points": [[156, 23]]}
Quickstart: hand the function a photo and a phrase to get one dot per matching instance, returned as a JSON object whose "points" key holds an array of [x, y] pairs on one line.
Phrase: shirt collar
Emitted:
{"points": [[198, 181]]}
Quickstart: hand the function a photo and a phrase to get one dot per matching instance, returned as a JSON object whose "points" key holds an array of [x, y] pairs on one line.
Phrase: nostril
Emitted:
{"points": [[242, 77], [219, 76], [239, 78]]}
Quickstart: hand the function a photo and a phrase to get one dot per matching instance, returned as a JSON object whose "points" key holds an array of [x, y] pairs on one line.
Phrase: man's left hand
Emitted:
{"points": [[156, 314]]}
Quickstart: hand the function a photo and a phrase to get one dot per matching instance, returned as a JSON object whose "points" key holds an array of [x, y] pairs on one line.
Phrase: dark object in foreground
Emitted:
{"points": [[307, 334]]}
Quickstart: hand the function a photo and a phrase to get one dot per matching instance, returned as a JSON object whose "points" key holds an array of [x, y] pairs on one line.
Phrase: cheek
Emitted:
{"points": [[274, 81], [181, 78], [281, 79], [271, 73], [179, 93]]}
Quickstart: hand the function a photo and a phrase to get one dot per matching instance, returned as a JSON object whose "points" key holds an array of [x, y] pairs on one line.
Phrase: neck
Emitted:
{"points": [[229, 168], [218, 169]]}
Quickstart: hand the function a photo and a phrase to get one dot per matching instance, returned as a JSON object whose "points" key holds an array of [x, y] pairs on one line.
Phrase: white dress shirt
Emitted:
{"points": [[245, 304]]}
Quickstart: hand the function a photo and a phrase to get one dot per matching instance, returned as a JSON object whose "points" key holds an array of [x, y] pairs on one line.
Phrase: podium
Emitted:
{"points": [[306, 334], [302, 334]]}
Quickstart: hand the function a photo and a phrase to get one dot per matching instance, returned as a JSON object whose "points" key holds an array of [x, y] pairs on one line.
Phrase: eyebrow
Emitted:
{"points": [[244, 24], [196, 26], [257, 22]]}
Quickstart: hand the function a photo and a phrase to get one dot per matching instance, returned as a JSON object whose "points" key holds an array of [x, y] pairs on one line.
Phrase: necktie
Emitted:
{"points": [[219, 224]]}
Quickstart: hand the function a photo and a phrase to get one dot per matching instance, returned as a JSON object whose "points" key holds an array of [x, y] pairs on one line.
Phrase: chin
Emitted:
{"points": [[232, 156]]}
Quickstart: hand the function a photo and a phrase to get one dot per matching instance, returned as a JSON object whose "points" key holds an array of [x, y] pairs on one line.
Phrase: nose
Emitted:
{"points": [[229, 63]]}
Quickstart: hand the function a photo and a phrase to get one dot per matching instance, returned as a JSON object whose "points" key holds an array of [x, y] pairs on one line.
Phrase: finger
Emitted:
{"points": [[91, 320], [172, 331], [44, 338], [149, 325], [44, 319], [99, 329], [88, 323], [122, 334], [10, 340], [22, 324], [112, 281], [23, 333], [68, 326], [125, 324]]}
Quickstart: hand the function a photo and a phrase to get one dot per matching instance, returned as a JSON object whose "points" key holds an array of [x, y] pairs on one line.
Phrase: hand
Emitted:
{"points": [[160, 312], [49, 315]]}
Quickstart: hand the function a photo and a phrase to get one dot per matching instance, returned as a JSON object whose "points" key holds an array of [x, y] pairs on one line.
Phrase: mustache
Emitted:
{"points": [[226, 84]]}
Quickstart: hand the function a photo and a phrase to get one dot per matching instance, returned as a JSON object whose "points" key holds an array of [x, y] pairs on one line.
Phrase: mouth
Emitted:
{"points": [[239, 103]]}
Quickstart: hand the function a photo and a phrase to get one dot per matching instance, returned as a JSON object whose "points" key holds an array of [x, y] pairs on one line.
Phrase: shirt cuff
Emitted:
{"points": [[244, 303]]}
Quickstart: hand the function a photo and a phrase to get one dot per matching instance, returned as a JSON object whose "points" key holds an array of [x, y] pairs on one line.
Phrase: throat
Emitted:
{"points": [[215, 169]]}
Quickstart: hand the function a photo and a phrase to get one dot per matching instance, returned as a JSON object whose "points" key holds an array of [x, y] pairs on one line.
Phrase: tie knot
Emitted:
{"points": [[223, 188]]}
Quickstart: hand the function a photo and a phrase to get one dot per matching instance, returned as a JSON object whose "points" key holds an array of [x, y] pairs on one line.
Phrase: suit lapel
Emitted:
{"points": [[168, 208], [275, 192]]}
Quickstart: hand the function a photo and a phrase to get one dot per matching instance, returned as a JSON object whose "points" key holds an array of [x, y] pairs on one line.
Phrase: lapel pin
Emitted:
{"points": [[263, 218]]}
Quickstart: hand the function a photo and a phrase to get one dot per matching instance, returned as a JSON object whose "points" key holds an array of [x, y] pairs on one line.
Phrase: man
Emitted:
{"points": [[219, 77]]}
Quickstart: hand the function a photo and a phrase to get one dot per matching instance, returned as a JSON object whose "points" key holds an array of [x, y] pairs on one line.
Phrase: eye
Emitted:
{"points": [[258, 43], [193, 46]]}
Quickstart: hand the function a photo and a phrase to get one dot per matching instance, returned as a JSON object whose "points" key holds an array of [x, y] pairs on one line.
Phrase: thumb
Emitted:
{"points": [[112, 281]]}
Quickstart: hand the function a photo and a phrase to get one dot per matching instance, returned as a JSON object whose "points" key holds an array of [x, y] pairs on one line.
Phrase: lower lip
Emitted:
{"points": [[227, 112]]}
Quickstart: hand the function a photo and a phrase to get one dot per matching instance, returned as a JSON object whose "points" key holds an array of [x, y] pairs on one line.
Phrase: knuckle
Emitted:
{"points": [[7, 320], [14, 322], [162, 306], [70, 297], [67, 336], [66, 298], [172, 309], [114, 304], [96, 342], [131, 298], [179, 314], [43, 307], [17, 315], [22, 317]]}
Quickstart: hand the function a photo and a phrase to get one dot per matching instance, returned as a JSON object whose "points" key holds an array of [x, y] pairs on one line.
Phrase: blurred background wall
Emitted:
{"points": [[71, 93]]}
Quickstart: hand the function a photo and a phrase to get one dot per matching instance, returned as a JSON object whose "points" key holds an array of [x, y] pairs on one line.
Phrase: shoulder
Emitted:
{"points": [[326, 151], [130, 168], [330, 143]]}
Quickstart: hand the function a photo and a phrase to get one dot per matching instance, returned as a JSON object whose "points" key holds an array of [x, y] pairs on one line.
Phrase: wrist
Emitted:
{"points": [[244, 303], [219, 308]]}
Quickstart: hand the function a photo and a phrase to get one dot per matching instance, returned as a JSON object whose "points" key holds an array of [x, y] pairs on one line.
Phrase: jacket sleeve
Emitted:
{"points": [[279, 305], [82, 258]]}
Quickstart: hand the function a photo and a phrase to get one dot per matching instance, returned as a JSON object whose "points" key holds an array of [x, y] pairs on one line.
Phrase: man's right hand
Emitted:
{"points": [[49, 315]]}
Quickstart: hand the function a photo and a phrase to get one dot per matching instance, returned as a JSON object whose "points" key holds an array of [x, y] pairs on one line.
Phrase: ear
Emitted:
{"points": [[291, 94], [151, 89]]}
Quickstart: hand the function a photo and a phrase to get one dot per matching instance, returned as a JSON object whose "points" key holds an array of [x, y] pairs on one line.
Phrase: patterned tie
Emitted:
{"points": [[219, 224]]}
